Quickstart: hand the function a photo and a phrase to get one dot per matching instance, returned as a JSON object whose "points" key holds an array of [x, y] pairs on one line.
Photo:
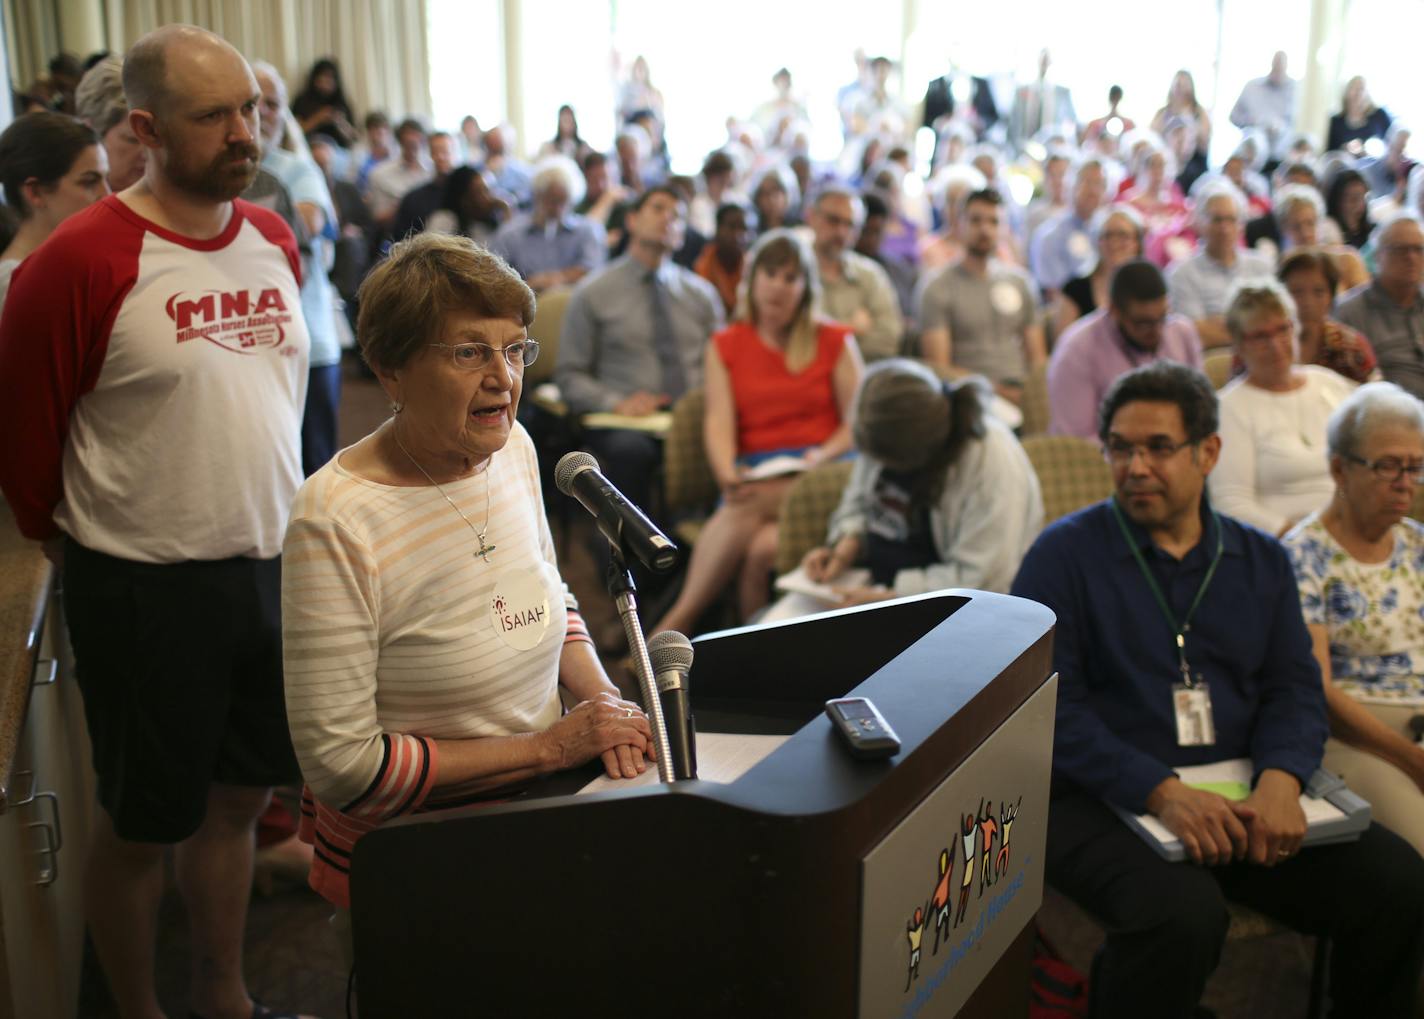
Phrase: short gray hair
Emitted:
{"points": [[1288, 196], [558, 170], [1373, 404], [1249, 297], [1387, 224], [1218, 187], [99, 100], [1102, 216]]}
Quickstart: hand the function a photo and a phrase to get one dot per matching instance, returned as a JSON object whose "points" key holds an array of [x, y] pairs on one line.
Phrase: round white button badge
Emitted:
{"points": [[519, 607], [1006, 298]]}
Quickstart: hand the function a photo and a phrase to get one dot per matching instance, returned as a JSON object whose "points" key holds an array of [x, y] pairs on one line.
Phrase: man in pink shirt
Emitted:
{"points": [[153, 367], [1134, 329]]}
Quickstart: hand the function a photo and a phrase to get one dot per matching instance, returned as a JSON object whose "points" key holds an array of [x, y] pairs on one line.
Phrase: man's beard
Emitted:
{"points": [[223, 179]]}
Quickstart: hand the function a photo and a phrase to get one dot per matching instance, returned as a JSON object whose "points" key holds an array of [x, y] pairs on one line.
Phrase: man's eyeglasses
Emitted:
{"points": [[473, 357], [1120, 452], [1390, 468]]}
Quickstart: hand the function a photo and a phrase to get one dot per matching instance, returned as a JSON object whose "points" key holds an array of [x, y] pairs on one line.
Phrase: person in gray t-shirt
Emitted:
{"points": [[979, 315]]}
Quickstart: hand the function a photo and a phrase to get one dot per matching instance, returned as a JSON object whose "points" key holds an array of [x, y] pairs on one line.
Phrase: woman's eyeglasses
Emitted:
{"points": [[473, 357], [1390, 468]]}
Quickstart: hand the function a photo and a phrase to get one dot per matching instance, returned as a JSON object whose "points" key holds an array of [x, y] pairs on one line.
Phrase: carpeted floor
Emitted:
{"points": [[294, 963]]}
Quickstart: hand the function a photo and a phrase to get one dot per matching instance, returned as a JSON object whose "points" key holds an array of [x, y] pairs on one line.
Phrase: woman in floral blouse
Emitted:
{"points": [[1359, 563]]}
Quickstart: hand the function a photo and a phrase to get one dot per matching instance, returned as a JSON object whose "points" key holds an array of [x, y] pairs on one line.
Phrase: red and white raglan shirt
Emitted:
{"points": [[152, 386]]}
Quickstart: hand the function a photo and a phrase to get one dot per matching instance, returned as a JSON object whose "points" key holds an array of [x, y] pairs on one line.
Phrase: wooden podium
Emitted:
{"points": [[813, 885]]}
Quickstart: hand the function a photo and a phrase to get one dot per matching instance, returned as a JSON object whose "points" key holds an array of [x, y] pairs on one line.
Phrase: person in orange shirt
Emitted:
{"points": [[779, 383], [721, 261]]}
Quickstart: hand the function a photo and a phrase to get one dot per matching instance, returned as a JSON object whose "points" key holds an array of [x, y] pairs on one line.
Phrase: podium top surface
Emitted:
{"points": [[932, 665]]}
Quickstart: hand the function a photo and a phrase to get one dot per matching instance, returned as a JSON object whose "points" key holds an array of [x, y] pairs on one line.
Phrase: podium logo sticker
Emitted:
{"points": [[981, 846]]}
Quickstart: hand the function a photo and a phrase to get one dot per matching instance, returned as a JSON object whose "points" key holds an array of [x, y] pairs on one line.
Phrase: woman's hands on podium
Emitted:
{"points": [[605, 726]]}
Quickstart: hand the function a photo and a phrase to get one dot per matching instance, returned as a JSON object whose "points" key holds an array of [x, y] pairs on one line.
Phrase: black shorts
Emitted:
{"points": [[181, 670]]}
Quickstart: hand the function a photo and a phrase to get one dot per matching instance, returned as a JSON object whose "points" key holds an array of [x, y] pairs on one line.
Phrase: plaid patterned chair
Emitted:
{"points": [[1036, 413], [1217, 366], [1071, 471], [807, 511], [689, 489]]}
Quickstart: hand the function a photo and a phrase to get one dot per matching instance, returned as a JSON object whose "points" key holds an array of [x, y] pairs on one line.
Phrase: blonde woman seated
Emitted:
{"points": [[1360, 566], [779, 382], [1272, 470], [941, 495]]}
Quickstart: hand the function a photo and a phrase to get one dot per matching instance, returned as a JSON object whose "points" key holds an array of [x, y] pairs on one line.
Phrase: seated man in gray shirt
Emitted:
{"points": [[854, 289], [977, 314], [1390, 310], [633, 339], [1198, 285]]}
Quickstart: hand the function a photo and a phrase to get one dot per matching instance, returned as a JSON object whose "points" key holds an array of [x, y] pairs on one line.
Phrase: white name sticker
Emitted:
{"points": [[1080, 246], [519, 607], [1006, 299]]}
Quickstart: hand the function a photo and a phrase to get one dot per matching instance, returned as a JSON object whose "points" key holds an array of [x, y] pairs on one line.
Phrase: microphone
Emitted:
{"points": [[671, 655], [622, 523]]}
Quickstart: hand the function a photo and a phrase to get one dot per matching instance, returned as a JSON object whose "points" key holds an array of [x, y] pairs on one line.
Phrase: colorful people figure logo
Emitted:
{"points": [[966, 880], [940, 901], [988, 825], [1007, 814], [915, 931]]}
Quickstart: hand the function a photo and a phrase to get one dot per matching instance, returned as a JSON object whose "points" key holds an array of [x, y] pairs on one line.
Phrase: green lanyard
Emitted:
{"points": [[1182, 629]]}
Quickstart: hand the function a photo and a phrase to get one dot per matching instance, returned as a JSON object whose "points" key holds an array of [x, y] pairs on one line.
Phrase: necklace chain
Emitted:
{"points": [[485, 547]]}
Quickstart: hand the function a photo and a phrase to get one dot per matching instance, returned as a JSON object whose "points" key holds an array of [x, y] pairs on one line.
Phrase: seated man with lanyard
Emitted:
{"points": [[1180, 642]]}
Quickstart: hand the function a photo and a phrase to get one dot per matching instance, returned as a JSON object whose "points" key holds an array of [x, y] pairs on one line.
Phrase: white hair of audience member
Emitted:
{"points": [[99, 100], [1364, 410], [1152, 145], [782, 174], [1215, 186], [1304, 139], [1330, 165], [886, 175], [1238, 317], [554, 170], [1288, 196], [990, 154], [834, 189], [1111, 170], [291, 139], [956, 179], [1253, 148], [1103, 216], [639, 137], [1384, 226]]}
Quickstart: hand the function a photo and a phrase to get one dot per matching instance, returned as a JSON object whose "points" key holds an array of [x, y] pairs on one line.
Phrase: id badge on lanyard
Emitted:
{"points": [[1191, 698]]}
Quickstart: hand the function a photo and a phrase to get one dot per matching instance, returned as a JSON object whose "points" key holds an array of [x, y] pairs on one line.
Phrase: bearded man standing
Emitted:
{"points": [[153, 367]]}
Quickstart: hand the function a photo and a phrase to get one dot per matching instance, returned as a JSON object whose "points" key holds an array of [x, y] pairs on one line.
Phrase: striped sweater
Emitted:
{"points": [[396, 634]]}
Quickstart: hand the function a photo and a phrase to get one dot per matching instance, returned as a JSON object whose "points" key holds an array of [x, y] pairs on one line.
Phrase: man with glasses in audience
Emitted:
{"points": [[1199, 284], [1180, 642], [854, 289], [1390, 310], [1135, 329], [1061, 247]]}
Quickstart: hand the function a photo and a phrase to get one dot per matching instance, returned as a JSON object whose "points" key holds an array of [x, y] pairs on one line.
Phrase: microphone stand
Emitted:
{"points": [[621, 589]]}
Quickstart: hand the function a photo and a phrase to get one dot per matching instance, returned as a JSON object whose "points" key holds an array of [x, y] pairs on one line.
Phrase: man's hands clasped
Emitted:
{"points": [[1265, 828]]}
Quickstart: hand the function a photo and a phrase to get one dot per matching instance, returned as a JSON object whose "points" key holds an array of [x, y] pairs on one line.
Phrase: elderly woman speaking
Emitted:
{"points": [[1359, 563], [426, 630]]}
